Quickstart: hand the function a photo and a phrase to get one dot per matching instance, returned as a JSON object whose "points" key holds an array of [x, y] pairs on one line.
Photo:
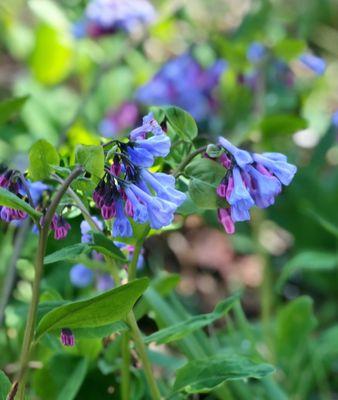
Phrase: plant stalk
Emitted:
{"points": [[31, 320]]}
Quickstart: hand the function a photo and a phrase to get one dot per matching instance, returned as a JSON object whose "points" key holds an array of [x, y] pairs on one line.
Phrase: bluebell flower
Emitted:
{"points": [[140, 213], [140, 157], [256, 52], [239, 198], [250, 179], [85, 228], [81, 276], [277, 166], [241, 157], [314, 63], [104, 282], [121, 227], [103, 17], [36, 190], [334, 119], [184, 83]]}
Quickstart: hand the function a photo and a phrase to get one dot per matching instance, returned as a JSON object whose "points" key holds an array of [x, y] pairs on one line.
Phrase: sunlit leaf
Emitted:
{"points": [[9, 199], [42, 156]]}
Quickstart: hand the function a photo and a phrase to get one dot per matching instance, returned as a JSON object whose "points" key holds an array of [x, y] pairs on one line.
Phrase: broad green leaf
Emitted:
{"points": [[51, 59], [158, 112], [329, 226], [41, 156], [202, 376], [67, 253], [5, 385], [289, 48], [64, 374], [281, 124], [308, 261], [8, 108], [205, 176], [9, 199], [181, 121], [101, 331], [100, 310], [294, 323], [91, 157], [184, 328], [105, 246]]}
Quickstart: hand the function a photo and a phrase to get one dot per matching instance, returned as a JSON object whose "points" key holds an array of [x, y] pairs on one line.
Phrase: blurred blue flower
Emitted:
{"points": [[81, 276], [316, 64], [85, 228], [185, 83], [116, 121], [256, 52], [104, 282], [334, 119]]}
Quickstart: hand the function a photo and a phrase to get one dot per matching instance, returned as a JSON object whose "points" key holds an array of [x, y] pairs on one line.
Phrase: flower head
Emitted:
{"points": [[81, 276], [67, 337], [60, 227], [250, 179]]}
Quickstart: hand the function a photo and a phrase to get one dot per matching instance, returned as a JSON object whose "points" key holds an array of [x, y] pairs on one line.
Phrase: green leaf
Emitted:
{"points": [[92, 159], [288, 48], [294, 323], [202, 376], [10, 107], [282, 124], [41, 156], [5, 385], [64, 374], [100, 310], [205, 176], [67, 253], [181, 121], [106, 246], [9, 199], [184, 328], [51, 59], [101, 331], [308, 261]]}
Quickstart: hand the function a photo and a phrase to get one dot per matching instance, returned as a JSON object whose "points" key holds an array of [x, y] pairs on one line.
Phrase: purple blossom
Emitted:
{"points": [[104, 17], [104, 282], [81, 276], [251, 179], [85, 228], [314, 63], [60, 227], [125, 116], [184, 83], [256, 52], [122, 226]]}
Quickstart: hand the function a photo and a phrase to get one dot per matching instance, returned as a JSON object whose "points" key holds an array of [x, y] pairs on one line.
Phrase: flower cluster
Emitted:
{"points": [[251, 179], [184, 83], [104, 17], [129, 189], [118, 120], [60, 227], [12, 181]]}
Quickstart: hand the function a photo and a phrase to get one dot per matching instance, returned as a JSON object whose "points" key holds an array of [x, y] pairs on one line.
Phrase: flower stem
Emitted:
{"points": [[142, 352], [137, 249], [30, 324], [125, 373], [188, 159]]}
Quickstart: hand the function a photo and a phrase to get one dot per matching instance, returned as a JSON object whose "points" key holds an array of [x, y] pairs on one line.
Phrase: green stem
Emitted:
{"points": [[142, 352], [125, 373], [137, 249], [188, 159], [30, 324]]}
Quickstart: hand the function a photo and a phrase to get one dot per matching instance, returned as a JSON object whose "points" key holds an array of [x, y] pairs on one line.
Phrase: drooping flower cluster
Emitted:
{"points": [[251, 179], [129, 190], [60, 227], [117, 120], [12, 181], [105, 17], [185, 83]]}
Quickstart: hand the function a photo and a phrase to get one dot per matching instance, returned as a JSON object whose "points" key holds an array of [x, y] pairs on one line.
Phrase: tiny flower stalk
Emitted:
{"points": [[31, 319]]}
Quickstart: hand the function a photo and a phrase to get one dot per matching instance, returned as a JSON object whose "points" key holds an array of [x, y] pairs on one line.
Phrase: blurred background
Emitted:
{"points": [[68, 75]]}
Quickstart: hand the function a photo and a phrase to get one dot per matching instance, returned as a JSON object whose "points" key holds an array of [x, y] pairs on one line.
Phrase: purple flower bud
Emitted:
{"points": [[81, 276], [221, 190], [108, 211], [67, 338], [224, 218], [225, 161], [60, 227], [314, 63]]}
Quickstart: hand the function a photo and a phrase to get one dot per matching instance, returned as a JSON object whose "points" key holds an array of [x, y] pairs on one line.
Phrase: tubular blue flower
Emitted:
{"points": [[263, 188], [81, 276], [122, 227], [314, 63], [164, 187], [140, 213], [256, 52], [242, 157], [158, 146], [85, 228], [36, 190], [140, 157], [239, 199], [276, 165], [104, 282]]}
